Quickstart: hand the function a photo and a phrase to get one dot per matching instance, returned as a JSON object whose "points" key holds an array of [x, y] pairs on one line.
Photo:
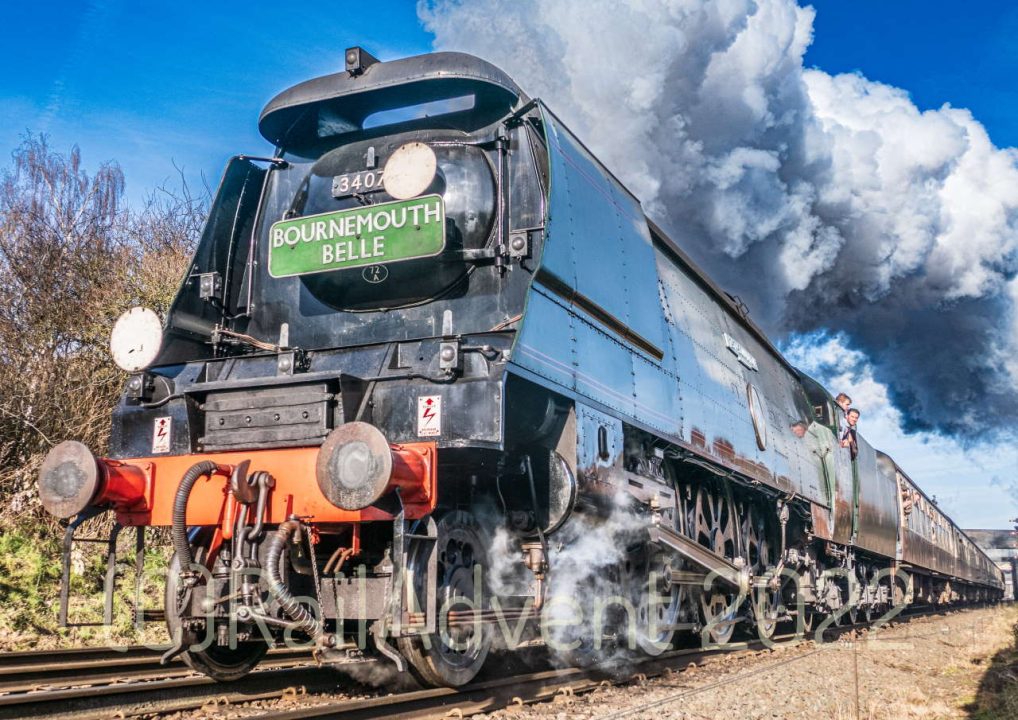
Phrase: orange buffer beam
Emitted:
{"points": [[296, 490]]}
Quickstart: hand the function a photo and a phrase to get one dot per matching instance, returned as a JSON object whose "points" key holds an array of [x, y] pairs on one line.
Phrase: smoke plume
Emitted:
{"points": [[831, 204]]}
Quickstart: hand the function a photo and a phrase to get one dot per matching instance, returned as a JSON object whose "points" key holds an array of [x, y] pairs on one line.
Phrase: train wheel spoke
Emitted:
{"points": [[715, 527]]}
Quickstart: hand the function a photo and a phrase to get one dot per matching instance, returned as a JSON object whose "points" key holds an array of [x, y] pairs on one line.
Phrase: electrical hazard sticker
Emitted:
{"points": [[161, 435], [429, 415]]}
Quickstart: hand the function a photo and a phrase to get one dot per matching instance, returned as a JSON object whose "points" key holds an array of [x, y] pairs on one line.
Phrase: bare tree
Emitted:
{"points": [[72, 258]]}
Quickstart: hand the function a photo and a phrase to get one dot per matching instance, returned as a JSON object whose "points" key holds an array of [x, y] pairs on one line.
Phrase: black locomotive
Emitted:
{"points": [[430, 348]]}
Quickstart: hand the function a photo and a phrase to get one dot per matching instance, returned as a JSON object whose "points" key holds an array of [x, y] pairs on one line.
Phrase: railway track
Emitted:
{"points": [[28, 671], [98, 683], [547, 685], [84, 680], [133, 697], [490, 695]]}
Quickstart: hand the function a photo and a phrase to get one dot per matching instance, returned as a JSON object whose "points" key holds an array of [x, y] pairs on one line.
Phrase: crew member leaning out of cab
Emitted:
{"points": [[844, 402], [849, 439]]}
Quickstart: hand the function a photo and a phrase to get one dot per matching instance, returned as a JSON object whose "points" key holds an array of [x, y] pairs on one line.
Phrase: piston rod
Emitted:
{"points": [[728, 572]]}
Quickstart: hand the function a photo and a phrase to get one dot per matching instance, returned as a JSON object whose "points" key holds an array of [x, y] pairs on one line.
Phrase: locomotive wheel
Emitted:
{"points": [[756, 534], [869, 592], [454, 655], [767, 607], [715, 525], [854, 594], [646, 571], [760, 556], [714, 521], [222, 664], [585, 645]]}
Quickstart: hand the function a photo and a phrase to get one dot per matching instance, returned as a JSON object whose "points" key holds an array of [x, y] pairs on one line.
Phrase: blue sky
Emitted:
{"points": [[941, 52], [153, 85], [156, 86]]}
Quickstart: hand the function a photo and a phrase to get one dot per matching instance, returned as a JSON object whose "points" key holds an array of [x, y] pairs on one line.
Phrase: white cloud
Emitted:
{"points": [[977, 485], [827, 202]]}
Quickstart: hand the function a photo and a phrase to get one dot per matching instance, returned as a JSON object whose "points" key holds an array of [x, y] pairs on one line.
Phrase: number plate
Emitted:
{"points": [[357, 183]]}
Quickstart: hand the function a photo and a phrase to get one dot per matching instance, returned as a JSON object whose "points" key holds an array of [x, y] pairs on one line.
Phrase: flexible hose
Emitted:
{"points": [[304, 619], [178, 531]]}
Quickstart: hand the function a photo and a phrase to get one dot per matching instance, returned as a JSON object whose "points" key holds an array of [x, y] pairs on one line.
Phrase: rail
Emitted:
{"points": [[96, 683]]}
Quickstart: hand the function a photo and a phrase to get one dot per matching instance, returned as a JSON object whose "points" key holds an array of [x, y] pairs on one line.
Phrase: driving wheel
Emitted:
{"points": [[760, 556], [715, 525], [454, 655], [646, 574]]}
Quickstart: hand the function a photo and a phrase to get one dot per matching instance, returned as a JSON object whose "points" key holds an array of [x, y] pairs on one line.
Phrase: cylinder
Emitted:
{"points": [[72, 478], [357, 466]]}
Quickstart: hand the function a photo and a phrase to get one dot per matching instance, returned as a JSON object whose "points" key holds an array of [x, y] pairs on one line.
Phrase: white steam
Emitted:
{"points": [[377, 674], [587, 595], [829, 203]]}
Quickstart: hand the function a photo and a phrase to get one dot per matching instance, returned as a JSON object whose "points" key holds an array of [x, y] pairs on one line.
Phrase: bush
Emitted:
{"points": [[72, 259]]}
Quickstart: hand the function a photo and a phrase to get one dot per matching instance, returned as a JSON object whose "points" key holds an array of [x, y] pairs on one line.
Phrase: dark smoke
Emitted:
{"points": [[830, 204]]}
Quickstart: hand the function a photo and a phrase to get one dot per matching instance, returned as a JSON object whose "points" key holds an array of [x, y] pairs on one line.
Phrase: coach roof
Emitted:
{"points": [[353, 96]]}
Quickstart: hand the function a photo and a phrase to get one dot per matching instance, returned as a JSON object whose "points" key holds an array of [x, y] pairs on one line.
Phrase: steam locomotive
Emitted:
{"points": [[432, 335]]}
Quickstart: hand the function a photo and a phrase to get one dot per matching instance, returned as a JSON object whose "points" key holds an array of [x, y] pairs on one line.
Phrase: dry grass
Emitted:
{"points": [[997, 695], [29, 595]]}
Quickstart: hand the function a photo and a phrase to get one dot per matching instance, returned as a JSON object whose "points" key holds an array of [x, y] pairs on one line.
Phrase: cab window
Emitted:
{"points": [[821, 404]]}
